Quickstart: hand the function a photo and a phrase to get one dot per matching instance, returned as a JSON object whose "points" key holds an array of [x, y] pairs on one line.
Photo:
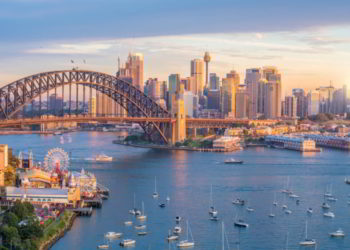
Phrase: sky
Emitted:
{"points": [[309, 41]]}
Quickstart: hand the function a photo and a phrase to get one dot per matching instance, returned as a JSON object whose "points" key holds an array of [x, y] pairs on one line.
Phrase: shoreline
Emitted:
{"points": [[179, 148], [60, 234], [24, 132]]}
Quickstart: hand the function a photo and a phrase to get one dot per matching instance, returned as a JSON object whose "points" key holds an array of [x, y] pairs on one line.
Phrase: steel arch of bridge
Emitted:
{"points": [[21, 92]]}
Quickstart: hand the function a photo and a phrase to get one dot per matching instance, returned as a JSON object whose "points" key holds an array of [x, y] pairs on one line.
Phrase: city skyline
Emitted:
{"points": [[309, 52]]}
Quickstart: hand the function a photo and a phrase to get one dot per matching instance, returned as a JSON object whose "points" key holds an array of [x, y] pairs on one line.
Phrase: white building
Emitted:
{"points": [[292, 142], [313, 100], [226, 142], [188, 101]]}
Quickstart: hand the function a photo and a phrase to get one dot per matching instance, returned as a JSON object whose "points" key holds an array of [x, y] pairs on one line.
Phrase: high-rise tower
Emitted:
{"points": [[207, 59]]}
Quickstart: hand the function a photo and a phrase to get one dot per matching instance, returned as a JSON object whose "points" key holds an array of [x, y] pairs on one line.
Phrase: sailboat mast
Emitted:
{"points": [[134, 201], [306, 230], [211, 195], [155, 184], [223, 236]]}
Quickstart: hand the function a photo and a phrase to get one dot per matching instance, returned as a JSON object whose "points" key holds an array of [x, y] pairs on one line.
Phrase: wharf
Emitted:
{"points": [[82, 211], [96, 202]]}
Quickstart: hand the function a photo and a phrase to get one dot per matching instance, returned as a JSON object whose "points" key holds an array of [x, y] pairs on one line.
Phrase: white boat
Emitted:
{"points": [[212, 210], [325, 205], [250, 209], [103, 158], [172, 237], [338, 233], [142, 233], [287, 211], [177, 230], [293, 196], [142, 216], [309, 210], [186, 243], [140, 227], [329, 214], [271, 215], [155, 193], [178, 219], [127, 242], [307, 241], [275, 203], [240, 223], [168, 198], [128, 223], [328, 192], [331, 198], [113, 235], [286, 190], [103, 246], [214, 218], [238, 202], [233, 161]]}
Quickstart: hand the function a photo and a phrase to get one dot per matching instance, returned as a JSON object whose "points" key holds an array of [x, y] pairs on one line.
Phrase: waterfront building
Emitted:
{"points": [[228, 95], [37, 195], [197, 72], [214, 81], [226, 142], [4, 152], [214, 99], [339, 101], [292, 142], [233, 132], [290, 106], [37, 178], [272, 93], [82, 179], [313, 99], [330, 141]]}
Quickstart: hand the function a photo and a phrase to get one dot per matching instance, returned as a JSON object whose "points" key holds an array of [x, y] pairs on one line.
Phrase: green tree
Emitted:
{"points": [[10, 235], [11, 219]]}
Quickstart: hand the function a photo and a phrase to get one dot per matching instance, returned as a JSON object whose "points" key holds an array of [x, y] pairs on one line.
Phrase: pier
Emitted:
{"points": [[83, 211]]}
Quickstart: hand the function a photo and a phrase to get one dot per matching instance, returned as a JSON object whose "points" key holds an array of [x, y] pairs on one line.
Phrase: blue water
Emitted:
{"points": [[186, 177]]}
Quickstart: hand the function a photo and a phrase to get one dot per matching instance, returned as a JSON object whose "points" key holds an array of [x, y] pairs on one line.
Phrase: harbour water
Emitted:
{"points": [[187, 176]]}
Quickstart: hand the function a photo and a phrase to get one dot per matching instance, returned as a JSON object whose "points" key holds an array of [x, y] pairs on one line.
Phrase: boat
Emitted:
{"points": [[155, 193], [214, 218], [233, 161], [240, 223], [177, 230], [186, 243], [162, 205], [103, 158], [293, 196], [103, 246], [329, 215], [113, 235], [238, 202], [178, 219], [307, 241], [271, 215], [331, 198], [338, 233], [309, 210], [142, 233], [127, 242], [128, 223], [328, 192], [140, 227], [142, 216], [325, 205], [286, 190], [287, 211], [57, 133], [171, 237], [347, 181], [168, 198], [250, 209], [275, 203], [212, 210]]}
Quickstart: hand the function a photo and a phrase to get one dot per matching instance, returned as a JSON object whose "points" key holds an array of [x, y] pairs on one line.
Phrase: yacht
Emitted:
{"points": [[212, 210], [331, 198], [287, 211], [103, 246], [309, 210], [238, 202], [271, 215], [307, 241], [140, 227], [329, 214], [293, 196], [284, 207], [186, 243], [142, 216], [127, 242], [113, 235], [325, 205], [338, 233], [128, 223], [142, 233], [240, 223], [177, 230], [103, 158], [172, 237], [328, 192], [250, 209], [155, 193], [233, 161]]}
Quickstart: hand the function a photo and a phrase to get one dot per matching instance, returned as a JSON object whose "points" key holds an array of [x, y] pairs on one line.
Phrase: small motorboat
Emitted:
{"points": [[177, 230], [309, 210], [178, 219], [329, 215], [293, 196], [167, 198], [214, 218], [140, 227], [240, 223], [284, 206], [128, 223], [250, 209], [103, 158], [233, 161], [331, 198], [111, 235], [347, 181], [172, 237], [127, 242], [287, 211], [142, 233], [213, 211], [338, 233], [325, 205], [103, 246], [238, 202], [162, 205], [271, 215]]}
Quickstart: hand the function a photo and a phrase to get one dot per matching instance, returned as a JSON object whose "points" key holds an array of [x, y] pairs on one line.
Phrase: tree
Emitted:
{"points": [[9, 234], [11, 219]]}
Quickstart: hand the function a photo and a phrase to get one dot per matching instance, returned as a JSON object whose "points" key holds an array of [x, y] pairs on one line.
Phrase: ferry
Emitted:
{"points": [[233, 161], [103, 158], [127, 242]]}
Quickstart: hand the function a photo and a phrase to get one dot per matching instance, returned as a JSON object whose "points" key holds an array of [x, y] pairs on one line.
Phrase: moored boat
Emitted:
{"points": [[233, 161], [127, 242], [339, 233]]}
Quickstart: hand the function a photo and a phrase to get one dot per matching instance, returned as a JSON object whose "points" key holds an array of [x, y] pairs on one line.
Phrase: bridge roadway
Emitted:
{"points": [[190, 122]]}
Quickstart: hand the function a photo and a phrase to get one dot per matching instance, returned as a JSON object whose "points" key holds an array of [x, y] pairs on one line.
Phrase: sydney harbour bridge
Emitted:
{"points": [[158, 124]]}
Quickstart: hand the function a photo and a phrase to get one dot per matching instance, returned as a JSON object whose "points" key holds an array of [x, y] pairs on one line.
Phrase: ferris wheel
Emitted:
{"points": [[56, 158]]}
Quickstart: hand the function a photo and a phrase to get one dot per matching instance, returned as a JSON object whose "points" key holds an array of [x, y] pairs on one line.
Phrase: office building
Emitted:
{"points": [[214, 99], [255, 91], [153, 86], [197, 72], [188, 98], [301, 102], [313, 99], [133, 70], [228, 95], [214, 81], [272, 93], [242, 101], [290, 106]]}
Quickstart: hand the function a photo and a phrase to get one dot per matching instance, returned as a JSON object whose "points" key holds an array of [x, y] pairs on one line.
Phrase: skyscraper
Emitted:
{"points": [[290, 106], [301, 102], [228, 96], [313, 99], [254, 91], [272, 93], [197, 71], [214, 99], [133, 69], [214, 81], [242, 103], [154, 89]]}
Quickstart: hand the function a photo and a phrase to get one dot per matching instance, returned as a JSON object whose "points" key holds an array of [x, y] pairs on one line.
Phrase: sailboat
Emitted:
{"points": [[307, 241], [284, 206], [271, 215], [142, 216], [212, 211], [187, 242], [274, 200], [223, 237], [286, 190], [328, 193], [155, 193], [172, 237], [134, 211]]}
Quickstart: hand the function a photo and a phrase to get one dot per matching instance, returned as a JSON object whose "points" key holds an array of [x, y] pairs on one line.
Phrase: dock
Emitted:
{"points": [[96, 202], [82, 211]]}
